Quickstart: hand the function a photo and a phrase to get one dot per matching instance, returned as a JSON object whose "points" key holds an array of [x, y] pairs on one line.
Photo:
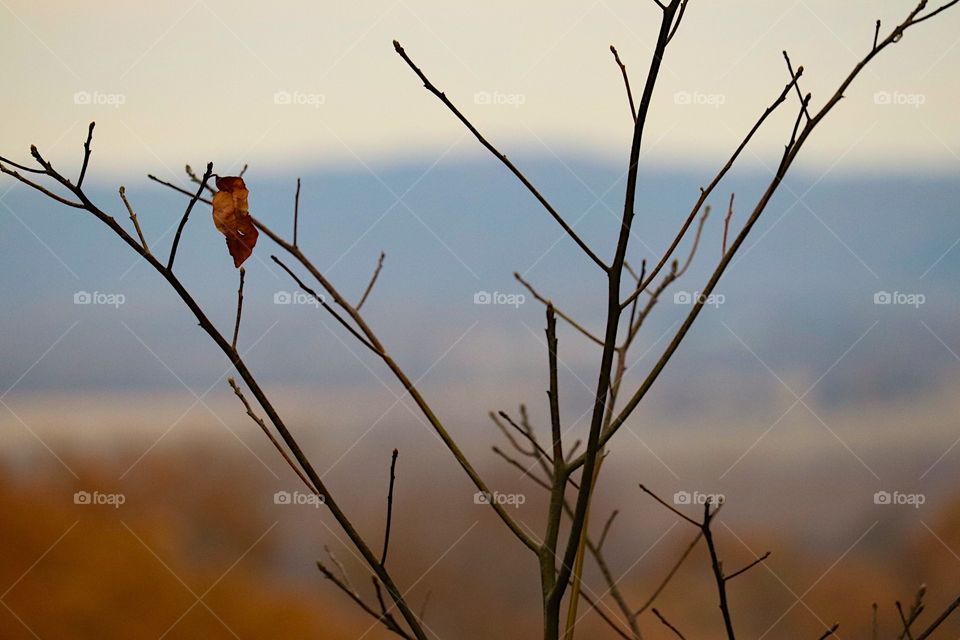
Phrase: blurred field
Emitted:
{"points": [[199, 521]]}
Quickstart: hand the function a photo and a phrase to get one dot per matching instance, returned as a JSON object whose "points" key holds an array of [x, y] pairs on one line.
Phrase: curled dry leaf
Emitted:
{"points": [[231, 215]]}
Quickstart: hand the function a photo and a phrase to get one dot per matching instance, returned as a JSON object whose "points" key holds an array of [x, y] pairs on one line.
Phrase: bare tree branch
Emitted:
{"points": [[429, 86]]}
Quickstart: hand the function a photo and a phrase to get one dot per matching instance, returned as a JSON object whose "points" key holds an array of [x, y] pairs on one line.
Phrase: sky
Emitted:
{"points": [[284, 84]]}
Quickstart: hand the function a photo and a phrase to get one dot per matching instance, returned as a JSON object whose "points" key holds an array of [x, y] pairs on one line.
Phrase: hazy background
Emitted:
{"points": [[797, 398]]}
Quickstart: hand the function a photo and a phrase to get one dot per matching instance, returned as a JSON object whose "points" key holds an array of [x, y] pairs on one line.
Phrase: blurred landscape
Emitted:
{"points": [[817, 393], [131, 400]]}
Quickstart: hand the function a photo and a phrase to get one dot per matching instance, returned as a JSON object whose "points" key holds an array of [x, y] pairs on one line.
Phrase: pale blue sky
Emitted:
{"points": [[196, 79]]}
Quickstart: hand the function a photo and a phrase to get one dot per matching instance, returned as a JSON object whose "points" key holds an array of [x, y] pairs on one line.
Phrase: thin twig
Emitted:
{"points": [[903, 619], [626, 82], [186, 214], [176, 188], [673, 570], [573, 323], [386, 533], [831, 631], [236, 326], [273, 440], [296, 213], [941, 618], [796, 85], [195, 179], [429, 86], [86, 155], [748, 567], [668, 625], [676, 24], [606, 528], [373, 281], [133, 218], [726, 224], [323, 303]]}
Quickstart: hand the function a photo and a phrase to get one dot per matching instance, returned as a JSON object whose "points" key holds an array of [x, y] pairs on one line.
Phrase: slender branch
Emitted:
{"points": [[524, 469], [705, 193], [726, 224], [903, 619], [323, 303], [86, 155], [607, 618], [236, 326], [748, 567], [39, 187], [942, 617], [673, 570], [573, 323], [626, 82], [668, 625], [429, 86], [789, 156], [717, 566], [373, 281], [296, 213], [796, 85], [831, 631], [258, 393], [195, 179], [273, 440], [176, 188], [676, 24], [386, 533], [575, 542], [133, 218], [385, 619], [606, 528], [186, 214], [554, 395]]}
